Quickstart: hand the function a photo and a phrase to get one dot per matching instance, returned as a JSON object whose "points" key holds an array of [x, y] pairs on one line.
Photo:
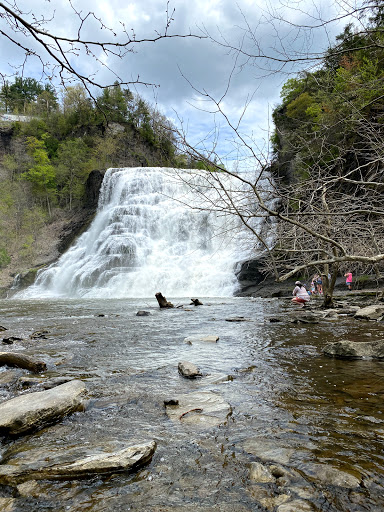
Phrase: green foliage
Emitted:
{"points": [[322, 111], [297, 108], [72, 167], [4, 257], [42, 173], [114, 104], [9, 164], [45, 168]]}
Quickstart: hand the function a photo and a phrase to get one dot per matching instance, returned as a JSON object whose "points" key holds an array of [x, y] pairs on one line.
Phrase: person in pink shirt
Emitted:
{"points": [[348, 280]]}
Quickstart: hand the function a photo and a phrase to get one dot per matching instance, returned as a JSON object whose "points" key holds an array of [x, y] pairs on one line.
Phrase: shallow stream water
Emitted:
{"points": [[291, 406]]}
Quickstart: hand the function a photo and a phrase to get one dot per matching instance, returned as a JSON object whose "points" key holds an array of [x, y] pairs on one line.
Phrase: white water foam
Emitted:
{"points": [[153, 232]]}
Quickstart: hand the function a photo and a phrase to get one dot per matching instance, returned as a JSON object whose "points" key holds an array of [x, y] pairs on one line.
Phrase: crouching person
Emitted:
{"points": [[300, 294]]}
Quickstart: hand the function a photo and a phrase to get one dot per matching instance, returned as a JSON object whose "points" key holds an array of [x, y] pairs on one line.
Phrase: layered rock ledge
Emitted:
{"points": [[128, 459], [34, 411]]}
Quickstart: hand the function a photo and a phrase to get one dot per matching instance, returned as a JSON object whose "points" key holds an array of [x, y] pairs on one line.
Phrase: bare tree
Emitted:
{"points": [[321, 196], [36, 36], [275, 44]]}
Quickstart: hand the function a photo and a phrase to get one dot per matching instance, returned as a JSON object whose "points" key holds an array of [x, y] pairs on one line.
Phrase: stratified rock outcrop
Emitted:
{"points": [[105, 463], [34, 411]]}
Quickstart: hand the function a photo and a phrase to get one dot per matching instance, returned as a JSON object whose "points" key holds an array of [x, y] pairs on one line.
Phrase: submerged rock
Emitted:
{"points": [[203, 409], [8, 377], [105, 463], [237, 319], [346, 349], [34, 411], [143, 313], [56, 381], [215, 378], [171, 401], [28, 382], [330, 475], [304, 318], [10, 340], [269, 450], [39, 335]]}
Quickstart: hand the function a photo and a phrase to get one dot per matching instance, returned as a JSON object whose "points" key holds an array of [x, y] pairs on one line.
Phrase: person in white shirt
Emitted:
{"points": [[300, 294]]}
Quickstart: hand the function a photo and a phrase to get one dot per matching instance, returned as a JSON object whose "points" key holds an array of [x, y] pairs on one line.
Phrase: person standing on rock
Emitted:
{"points": [[300, 294], [348, 280]]}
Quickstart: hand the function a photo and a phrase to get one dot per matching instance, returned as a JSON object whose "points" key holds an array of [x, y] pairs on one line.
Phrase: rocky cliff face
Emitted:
{"points": [[6, 133], [55, 237]]}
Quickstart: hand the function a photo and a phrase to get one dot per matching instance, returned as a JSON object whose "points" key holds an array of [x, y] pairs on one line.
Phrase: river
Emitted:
{"points": [[314, 418]]}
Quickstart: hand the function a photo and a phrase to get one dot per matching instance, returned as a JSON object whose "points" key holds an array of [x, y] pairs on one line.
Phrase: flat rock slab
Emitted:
{"points": [[295, 506], [34, 411], [329, 475], [202, 338], [346, 349], [269, 450], [374, 312], [213, 379], [202, 409], [128, 459], [304, 318], [22, 361]]}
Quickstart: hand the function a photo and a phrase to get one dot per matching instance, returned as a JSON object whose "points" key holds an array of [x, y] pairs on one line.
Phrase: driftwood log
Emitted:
{"points": [[196, 302], [21, 361], [163, 303]]}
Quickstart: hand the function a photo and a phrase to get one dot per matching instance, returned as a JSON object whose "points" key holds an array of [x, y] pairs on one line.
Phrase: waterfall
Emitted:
{"points": [[156, 230]]}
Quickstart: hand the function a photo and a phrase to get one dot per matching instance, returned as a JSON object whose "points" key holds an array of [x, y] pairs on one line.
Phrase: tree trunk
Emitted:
{"points": [[330, 287], [196, 302], [163, 303]]}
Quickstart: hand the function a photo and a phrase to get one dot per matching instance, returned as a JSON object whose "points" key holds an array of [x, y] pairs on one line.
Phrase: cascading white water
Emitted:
{"points": [[153, 232]]}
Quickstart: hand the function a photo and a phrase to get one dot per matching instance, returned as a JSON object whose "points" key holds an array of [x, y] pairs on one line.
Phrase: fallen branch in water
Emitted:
{"points": [[191, 410]]}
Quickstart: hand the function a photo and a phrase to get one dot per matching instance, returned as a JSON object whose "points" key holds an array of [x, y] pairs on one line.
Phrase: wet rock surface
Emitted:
{"points": [[34, 411], [203, 409], [372, 312], [346, 349], [22, 361], [202, 338], [102, 463], [189, 370]]}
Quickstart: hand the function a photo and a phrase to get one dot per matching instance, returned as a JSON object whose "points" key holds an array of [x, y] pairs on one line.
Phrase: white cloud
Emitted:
{"points": [[206, 66]]}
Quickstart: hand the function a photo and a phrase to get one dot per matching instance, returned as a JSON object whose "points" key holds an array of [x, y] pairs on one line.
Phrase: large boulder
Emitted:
{"points": [[104, 463], [34, 411], [373, 312], [346, 349]]}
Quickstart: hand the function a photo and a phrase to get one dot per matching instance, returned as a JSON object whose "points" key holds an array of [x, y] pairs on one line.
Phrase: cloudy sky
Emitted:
{"points": [[185, 70]]}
